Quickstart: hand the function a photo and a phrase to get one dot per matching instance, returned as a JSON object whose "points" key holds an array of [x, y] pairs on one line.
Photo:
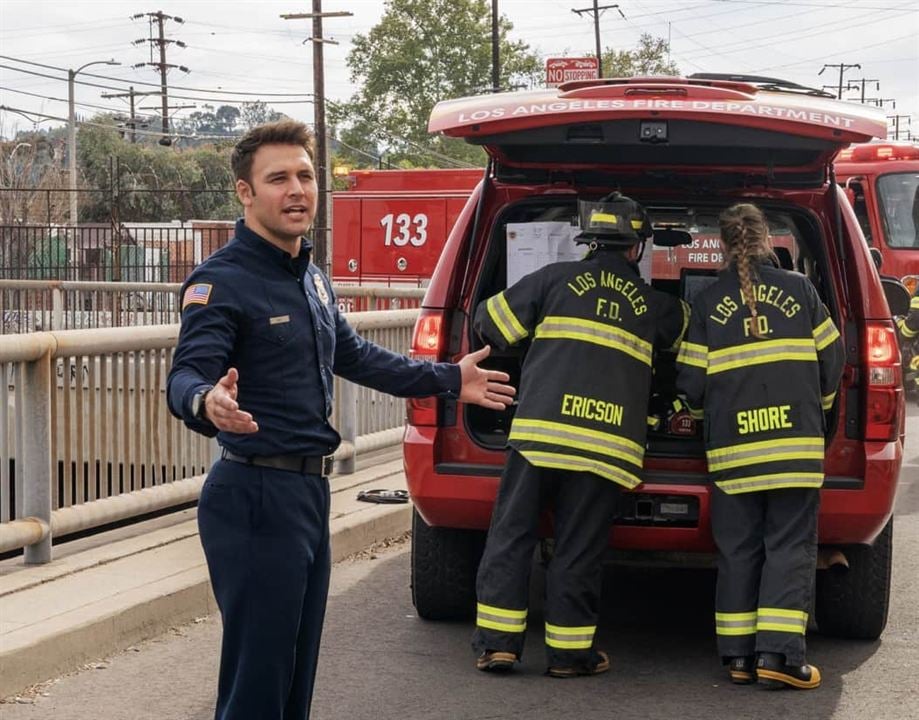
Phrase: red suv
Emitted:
{"points": [[685, 148]]}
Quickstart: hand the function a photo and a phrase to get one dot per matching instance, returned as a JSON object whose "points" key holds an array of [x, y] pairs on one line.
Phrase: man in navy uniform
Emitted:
{"points": [[261, 338]]}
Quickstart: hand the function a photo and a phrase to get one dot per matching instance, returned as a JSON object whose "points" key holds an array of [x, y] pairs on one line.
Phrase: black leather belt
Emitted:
{"points": [[305, 464]]}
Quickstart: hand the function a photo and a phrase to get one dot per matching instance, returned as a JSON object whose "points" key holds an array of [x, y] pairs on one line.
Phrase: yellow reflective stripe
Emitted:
{"points": [[501, 619], [684, 306], [570, 638], [598, 217], [798, 448], [904, 328], [504, 319], [914, 303], [780, 620], [774, 481], [693, 354], [825, 334], [561, 461], [696, 414], [735, 623], [584, 438], [826, 401], [571, 328], [738, 356]]}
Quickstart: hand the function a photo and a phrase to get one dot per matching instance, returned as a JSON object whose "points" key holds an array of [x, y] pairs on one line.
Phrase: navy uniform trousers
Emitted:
{"points": [[265, 534], [584, 504], [767, 563]]}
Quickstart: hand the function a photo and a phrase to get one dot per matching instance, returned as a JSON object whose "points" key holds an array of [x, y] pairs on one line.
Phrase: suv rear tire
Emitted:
{"points": [[852, 602], [444, 565]]}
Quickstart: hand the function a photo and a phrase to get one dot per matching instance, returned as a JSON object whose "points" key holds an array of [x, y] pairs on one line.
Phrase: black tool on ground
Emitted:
{"points": [[383, 496]]}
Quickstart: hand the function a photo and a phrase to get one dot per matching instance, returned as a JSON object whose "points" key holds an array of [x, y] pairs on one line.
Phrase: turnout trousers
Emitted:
{"points": [[584, 505], [265, 534], [767, 560]]}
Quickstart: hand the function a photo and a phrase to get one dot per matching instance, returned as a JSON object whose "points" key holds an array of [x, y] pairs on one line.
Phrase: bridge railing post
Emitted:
{"points": [[36, 466]]}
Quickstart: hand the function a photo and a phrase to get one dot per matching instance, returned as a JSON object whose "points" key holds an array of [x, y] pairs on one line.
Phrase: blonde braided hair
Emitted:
{"points": [[745, 242]]}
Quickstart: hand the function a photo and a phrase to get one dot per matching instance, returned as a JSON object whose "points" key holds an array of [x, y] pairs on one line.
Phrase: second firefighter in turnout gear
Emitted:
{"points": [[761, 364], [909, 346], [578, 436]]}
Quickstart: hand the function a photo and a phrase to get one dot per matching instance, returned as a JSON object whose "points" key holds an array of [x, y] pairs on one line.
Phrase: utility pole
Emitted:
{"points": [[131, 94], [595, 11], [879, 102], [853, 85], [896, 125], [842, 71], [495, 49], [322, 224], [159, 17]]}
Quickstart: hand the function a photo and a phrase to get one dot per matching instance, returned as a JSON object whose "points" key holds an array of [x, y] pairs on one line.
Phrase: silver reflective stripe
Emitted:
{"points": [[801, 448], [825, 334], [505, 320], [778, 620], [771, 482], [571, 328], [503, 620], [593, 440], [735, 623], [741, 356], [693, 354]]}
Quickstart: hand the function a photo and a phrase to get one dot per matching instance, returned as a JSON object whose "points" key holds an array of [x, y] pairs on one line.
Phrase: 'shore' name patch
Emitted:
{"points": [[197, 294]]}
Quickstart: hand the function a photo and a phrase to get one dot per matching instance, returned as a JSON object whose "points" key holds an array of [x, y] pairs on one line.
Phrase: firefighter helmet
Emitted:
{"points": [[615, 220]]}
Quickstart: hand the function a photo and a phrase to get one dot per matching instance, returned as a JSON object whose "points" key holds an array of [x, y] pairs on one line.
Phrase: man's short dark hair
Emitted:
{"points": [[282, 132]]}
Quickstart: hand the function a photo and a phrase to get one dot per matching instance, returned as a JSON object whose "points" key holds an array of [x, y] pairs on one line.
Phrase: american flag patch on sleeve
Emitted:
{"points": [[197, 294]]}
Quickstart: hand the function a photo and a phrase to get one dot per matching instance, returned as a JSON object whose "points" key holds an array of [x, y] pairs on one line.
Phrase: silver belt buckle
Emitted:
{"points": [[328, 462]]}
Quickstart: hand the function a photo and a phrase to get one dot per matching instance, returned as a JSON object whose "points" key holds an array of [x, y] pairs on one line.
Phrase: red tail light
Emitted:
{"points": [[883, 386], [428, 343]]}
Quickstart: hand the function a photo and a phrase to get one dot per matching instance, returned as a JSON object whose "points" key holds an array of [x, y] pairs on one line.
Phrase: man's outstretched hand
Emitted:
{"points": [[484, 387], [223, 410]]}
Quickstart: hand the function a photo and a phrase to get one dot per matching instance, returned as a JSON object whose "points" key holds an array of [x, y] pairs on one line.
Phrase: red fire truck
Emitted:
{"points": [[390, 226], [881, 180]]}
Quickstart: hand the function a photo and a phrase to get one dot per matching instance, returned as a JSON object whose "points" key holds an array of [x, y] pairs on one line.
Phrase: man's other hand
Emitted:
{"points": [[223, 410], [484, 387]]}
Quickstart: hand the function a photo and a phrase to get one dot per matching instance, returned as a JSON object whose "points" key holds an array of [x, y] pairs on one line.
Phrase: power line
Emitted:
{"points": [[227, 101], [57, 99], [140, 82]]}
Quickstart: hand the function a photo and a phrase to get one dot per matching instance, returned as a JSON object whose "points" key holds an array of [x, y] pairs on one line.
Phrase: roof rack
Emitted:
{"points": [[764, 83]]}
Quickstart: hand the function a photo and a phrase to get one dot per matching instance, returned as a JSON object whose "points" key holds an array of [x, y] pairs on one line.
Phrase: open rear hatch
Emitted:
{"points": [[780, 134]]}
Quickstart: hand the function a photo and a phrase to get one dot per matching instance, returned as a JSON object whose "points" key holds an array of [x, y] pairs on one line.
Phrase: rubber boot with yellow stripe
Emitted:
{"points": [[773, 673]]}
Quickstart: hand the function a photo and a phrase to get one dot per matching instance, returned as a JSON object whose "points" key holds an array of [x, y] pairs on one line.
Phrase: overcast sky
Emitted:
{"points": [[238, 46]]}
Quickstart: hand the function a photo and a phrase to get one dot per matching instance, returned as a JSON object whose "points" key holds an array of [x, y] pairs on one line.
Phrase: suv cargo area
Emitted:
{"points": [[685, 149]]}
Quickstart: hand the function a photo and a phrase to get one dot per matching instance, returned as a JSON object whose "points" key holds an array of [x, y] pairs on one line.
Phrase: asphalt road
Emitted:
{"points": [[380, 662]]}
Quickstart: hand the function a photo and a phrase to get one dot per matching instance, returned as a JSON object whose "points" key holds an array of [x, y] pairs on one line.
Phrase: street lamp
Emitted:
{"points": [[72, 135]]}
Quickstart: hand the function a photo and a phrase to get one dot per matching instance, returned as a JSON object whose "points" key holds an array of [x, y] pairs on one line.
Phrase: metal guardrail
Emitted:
{"points": [[86, 437], [48, 305]]}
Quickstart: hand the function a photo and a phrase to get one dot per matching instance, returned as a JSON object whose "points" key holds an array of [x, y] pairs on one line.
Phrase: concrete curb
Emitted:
{"points": [[109, 626]]}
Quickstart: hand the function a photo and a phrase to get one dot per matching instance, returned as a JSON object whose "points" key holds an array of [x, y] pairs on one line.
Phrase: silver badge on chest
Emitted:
{"points": [[320, 288]]}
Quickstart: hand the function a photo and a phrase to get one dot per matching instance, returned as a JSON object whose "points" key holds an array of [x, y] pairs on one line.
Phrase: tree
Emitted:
{"points": [[649, 58], [257, 113], [152, 183], [420, 52]]}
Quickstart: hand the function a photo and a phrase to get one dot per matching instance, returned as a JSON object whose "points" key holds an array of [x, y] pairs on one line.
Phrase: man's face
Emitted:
{"points": [[280, 202]]}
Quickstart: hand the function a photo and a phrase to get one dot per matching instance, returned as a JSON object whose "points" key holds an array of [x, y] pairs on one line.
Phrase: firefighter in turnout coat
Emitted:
{"points": [[578, 435], [761, 364]]}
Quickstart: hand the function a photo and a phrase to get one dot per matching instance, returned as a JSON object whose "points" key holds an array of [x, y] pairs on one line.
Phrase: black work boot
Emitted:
{"points": [[773, 673], [742, 669], [497, 661]]}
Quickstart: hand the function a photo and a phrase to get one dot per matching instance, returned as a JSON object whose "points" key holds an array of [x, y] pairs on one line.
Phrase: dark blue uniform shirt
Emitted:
{"points": [[276, 320]]}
